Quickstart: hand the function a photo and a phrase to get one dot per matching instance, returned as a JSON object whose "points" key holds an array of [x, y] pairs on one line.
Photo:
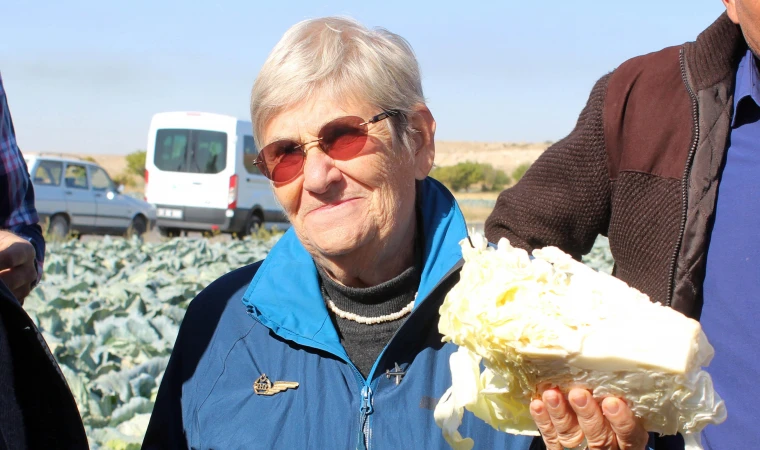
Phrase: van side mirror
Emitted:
{"points": [[120, 189]]}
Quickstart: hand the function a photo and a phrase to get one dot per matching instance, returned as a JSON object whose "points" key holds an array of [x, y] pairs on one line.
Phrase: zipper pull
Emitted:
{"points": [[367, 408]]}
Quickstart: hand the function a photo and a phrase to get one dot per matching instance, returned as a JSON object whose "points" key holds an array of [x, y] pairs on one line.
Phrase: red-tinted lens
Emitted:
{"points": [[282, 161], [343, 138]]}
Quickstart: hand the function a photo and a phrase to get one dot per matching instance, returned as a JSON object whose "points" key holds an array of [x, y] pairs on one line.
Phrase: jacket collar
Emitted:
{"points": [[716, 53], [747, 87], [284, 294]]}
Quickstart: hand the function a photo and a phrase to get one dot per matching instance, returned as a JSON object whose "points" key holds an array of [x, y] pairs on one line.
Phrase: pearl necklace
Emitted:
{"points": [[370, 320]]}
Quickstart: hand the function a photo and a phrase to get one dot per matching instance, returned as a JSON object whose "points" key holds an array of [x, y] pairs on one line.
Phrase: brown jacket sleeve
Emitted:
{"points": [[564, 198]]}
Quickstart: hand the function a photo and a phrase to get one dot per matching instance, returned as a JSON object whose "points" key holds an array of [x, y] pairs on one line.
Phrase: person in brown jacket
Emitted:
{"points": [[664, 160]]}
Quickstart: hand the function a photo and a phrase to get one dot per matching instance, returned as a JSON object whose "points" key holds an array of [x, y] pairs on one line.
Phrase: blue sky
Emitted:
{"points": [[88, 76]]}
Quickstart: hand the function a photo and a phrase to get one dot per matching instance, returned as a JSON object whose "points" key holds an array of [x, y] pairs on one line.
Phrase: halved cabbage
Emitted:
{"points": [[550, 321]]}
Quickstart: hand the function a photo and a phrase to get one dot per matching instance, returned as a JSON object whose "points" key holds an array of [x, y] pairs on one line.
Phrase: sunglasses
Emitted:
{"points": [[341, 139]]}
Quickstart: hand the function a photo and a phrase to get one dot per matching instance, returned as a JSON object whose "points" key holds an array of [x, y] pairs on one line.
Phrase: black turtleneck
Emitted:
{"points": [[363, 343]]}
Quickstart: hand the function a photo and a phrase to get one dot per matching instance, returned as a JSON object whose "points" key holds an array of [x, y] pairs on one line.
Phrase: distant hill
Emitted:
{"points": [[502, 155]]}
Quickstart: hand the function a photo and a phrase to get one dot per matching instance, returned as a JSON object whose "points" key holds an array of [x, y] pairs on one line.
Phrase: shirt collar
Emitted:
{"points": [[747, 85]]}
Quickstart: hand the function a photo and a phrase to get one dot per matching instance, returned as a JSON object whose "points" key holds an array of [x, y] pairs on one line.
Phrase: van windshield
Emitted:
{"points": [[193, 151]]}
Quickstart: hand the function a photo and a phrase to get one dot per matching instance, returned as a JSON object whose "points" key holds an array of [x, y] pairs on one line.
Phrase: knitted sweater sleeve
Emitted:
{"points": [[563, 200]]}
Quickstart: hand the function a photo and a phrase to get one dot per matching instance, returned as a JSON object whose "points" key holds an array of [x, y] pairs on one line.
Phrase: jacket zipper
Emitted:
{"points": [[685, 179], [367, 407], [366, 410]]}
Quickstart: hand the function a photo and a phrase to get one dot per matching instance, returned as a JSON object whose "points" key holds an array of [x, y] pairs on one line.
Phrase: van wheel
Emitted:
{"points": [[59, 227], [252, 225], [138, 227], [168, 232]]}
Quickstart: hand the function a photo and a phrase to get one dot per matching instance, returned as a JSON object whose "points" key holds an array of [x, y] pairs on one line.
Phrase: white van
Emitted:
{"points": [[199, 174]]}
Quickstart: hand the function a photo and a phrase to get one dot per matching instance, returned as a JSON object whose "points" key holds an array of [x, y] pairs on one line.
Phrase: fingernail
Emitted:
{"points": [[552, 399], [537, 407], [579, 399], [612, 407]]}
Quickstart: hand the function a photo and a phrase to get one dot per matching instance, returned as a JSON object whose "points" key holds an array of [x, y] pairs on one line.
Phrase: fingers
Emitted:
{"points": [[566, 423], [599, 434], [20, 279], [17, 264], [14, 250], [21, 293], [569, 432], [631, 435], [545, 425]]}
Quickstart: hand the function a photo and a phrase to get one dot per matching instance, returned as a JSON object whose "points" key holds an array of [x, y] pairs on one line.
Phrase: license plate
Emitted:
{"points": [[169, 213]]}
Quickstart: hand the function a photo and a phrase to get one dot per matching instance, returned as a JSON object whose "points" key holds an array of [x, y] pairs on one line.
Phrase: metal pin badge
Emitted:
{"points": [[263, 386]]}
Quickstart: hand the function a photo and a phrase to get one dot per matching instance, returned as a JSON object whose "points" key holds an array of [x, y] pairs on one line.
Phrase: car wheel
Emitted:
{"points": [[58, 228], [252, 225], [138, 227], [168, 232]]}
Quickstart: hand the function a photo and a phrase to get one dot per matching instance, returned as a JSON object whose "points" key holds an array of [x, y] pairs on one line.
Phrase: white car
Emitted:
{"points": [[78, 196]]}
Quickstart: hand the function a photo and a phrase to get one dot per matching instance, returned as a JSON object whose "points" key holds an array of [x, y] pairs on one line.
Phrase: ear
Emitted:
{"points": [[424, 141], [731, 10]]}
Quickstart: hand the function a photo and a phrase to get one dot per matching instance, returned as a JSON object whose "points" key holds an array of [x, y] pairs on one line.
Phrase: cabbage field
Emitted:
{"points": [[110, 310]]}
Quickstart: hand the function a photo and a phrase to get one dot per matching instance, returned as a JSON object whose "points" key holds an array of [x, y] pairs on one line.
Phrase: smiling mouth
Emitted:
{"points": [[332, 205]]}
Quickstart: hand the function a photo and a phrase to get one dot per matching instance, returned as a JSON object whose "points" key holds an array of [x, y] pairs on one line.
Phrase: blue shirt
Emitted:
{"points": [[731, 312]]}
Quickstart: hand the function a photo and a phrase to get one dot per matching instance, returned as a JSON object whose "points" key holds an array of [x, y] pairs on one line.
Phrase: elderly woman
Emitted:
{"points": [[332, 340]]}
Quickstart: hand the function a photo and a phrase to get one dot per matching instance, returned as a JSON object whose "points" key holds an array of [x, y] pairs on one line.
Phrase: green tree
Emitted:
{"points": [[518, 173], [460, 176], [136, 163], [494, 179]]}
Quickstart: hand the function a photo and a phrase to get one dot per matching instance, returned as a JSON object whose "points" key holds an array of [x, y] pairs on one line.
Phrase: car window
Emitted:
{"points": [[100, 180], [250, 153], [48, 173], [76, 176]]}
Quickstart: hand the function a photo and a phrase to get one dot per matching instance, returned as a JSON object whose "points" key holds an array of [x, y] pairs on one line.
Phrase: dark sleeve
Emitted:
{"points": [[33, 232], [17, 211], [563, 200]]}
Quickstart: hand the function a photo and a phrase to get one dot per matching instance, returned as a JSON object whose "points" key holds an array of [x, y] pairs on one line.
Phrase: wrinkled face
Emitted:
{"points": [[746, 13], [341, 207]]}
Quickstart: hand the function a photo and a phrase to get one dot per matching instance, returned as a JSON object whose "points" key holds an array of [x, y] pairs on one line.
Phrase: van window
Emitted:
{"points": [[250, 153], [171, 150], [48, 173], [193, 151], [209, 153], [76, 176]]}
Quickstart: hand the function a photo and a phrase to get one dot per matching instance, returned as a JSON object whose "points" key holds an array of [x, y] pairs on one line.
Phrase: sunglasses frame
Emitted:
{"points": [[261, 164]]}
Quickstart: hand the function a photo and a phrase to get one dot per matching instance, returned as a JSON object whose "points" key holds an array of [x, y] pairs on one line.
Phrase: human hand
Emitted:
{"points": [[17, 264], [565, 422]]}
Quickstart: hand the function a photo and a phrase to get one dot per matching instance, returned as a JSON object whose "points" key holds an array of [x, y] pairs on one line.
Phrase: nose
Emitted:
{"points": [[319, 171]]}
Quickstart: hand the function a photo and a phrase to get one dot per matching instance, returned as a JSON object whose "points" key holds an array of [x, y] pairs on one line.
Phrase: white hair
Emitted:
{"points": [[340, 58]]}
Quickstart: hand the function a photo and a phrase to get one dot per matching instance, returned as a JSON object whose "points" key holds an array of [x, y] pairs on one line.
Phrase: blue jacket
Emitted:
{"points": [[270, 318]]}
